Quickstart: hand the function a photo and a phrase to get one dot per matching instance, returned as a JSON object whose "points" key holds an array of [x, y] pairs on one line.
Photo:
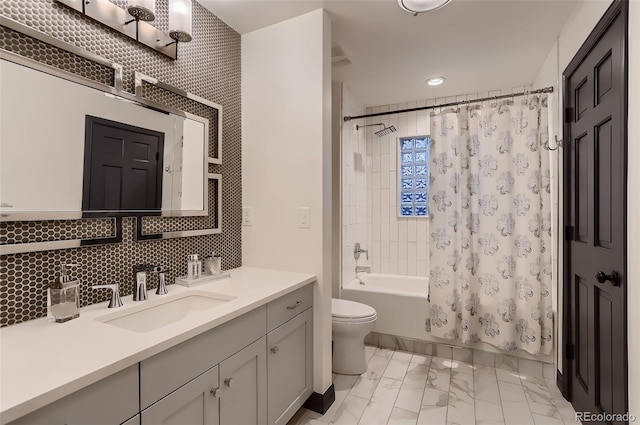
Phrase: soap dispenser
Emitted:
{"points": [[64, 296]]}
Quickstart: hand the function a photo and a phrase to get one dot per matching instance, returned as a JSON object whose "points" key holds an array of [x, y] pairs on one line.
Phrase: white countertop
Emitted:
{"points": [[42, 361]]}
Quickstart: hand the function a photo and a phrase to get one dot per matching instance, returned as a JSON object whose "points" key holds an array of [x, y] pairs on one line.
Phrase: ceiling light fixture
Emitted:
{"points": [[435, 81], [419, 6]]}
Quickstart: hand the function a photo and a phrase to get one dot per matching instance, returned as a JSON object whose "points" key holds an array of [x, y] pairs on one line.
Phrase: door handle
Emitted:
{"points": [[614, 277]]}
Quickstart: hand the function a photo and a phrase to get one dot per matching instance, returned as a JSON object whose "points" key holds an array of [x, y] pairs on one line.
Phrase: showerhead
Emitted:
{"points": [[385, 131]]}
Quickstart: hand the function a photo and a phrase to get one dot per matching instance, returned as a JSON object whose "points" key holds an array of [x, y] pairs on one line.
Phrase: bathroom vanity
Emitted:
{"points": [[247, 360]]}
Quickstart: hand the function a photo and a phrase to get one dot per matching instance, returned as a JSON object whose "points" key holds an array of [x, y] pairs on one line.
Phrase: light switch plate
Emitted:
{"points": [[247, 216], [304, 217]]}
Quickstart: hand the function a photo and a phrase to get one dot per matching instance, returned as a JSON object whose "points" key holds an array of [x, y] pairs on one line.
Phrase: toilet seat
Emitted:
{"points": [[351, 311]]}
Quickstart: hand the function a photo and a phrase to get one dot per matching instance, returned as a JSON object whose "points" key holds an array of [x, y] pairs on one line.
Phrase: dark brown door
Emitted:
{"points": [[123, 167], [595, 203]]}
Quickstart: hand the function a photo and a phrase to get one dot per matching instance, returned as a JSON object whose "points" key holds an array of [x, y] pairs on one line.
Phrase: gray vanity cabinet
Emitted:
{"points": [[197, 402], [243, 380], [290, 357], [88, 406]]}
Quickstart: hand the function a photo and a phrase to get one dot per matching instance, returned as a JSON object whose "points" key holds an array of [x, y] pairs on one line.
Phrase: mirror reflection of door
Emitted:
{"points": [[122, 167]]}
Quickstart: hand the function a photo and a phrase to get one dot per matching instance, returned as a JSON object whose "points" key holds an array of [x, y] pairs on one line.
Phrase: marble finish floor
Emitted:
{"points": [[401, 388]]}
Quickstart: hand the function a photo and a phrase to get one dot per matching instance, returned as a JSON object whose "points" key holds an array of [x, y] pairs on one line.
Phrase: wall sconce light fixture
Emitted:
{"points": [[180, 22], [141, 12]]}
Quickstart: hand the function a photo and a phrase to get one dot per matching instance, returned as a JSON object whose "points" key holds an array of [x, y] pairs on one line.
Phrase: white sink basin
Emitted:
{"points": [[153, 315]]}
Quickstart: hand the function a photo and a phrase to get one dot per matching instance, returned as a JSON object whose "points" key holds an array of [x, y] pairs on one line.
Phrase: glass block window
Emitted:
{"points": [[413, 176]]}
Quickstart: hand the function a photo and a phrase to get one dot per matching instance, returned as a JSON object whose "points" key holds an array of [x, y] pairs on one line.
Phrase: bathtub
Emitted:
{"points": [[400, 301]]}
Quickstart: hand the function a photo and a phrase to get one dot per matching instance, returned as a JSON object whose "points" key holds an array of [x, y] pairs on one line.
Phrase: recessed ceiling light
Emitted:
{"points": [[418, 6], [435, 81]]}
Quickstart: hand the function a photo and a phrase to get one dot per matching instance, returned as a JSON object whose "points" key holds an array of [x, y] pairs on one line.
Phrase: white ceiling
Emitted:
{"points": [[478, 45]]}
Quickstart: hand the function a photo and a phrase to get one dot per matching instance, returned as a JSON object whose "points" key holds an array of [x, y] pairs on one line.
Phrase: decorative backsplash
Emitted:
{"points": [[209, 67]]}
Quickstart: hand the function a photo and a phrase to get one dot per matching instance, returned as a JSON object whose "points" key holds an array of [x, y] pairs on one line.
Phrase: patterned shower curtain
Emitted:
{"points": [[490, 277]]}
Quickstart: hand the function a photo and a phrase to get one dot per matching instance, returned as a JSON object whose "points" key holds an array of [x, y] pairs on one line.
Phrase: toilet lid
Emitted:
{"points": [[350, 309]]}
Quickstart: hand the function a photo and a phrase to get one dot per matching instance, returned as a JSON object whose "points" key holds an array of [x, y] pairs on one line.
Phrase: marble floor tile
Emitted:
{"points": [[462, 367], [366, 383], [508, 376], [506, 362], [517, 413], [396, 369], [402, 417], [488, 413], [461, 412], [486, 390], [410, 395], [403, 356], [545, 420], [438, 379], [418, 371], [402, 388], [342, 385], [350, 411], [434, 397], [381, 403], [384, 352], [432, 415], [461, 389], [511, 392], [421, 359], [369, 351]]}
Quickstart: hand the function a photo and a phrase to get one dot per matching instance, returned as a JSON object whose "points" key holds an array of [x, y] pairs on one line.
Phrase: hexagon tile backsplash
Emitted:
{"points": [[209, 67]]}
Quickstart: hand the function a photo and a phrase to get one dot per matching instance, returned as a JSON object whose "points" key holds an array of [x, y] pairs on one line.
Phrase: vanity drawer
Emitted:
{"points": [[110, 401], [288, 306], [169, 370]]}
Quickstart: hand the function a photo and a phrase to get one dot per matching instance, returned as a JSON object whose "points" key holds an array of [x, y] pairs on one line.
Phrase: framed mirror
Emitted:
{"points": [[47, 146]]}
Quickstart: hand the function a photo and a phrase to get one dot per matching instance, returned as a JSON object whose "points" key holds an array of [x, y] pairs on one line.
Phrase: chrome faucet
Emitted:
{"points": [[115, 301], [357, 250], [363, 269], [140, 283], [162, 280]]}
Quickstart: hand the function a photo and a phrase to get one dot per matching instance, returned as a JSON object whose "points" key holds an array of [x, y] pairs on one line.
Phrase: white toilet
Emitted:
{"points": [[351, 322]]}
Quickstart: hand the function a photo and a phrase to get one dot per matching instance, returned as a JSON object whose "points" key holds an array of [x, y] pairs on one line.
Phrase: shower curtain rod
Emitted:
{"points": [[444, 105]]}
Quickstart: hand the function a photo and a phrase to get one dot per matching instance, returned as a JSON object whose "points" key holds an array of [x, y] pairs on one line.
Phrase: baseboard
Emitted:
{"points": [[320, 403]]}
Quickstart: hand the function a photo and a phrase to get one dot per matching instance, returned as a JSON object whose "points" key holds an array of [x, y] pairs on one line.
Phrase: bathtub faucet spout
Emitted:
{"points": [[363, 269]]}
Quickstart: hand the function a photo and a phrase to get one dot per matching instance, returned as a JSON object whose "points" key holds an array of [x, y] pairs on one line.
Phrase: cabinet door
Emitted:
{"points": [[93, 404], [243, 378], [289, 367], [194, 403]]}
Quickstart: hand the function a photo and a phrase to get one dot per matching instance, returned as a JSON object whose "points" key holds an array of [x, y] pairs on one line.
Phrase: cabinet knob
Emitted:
{"points": [[275, 349], [227, 382], [216, 392]]}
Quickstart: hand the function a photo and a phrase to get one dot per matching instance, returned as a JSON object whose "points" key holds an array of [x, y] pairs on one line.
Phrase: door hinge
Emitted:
{"points": [[568, 233], [568, 114], [570, 348]]}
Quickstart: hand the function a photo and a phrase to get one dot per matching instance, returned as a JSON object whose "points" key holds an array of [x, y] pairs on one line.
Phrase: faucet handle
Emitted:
{"points": [[115, 294]]}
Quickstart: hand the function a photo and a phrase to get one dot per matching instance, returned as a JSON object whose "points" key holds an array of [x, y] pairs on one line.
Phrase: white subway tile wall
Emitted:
{"points": [[397, 245], [354, 185]]}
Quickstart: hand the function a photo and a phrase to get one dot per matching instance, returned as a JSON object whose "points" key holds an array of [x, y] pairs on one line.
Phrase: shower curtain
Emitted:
{"points": [[490, 276]]}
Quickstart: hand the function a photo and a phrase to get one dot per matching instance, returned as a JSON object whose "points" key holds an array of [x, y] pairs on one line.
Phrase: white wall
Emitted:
{"points": [[633, 209], [575, 32], [397, 245], [286, 159], [353, 184]]}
